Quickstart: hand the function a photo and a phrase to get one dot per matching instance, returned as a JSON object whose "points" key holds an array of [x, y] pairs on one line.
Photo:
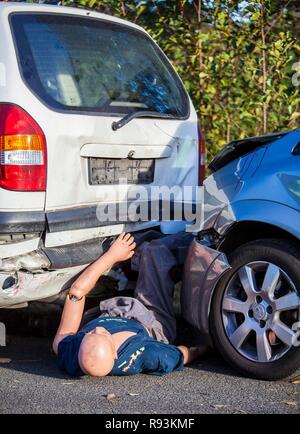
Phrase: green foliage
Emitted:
{"points": [[235, 59]]}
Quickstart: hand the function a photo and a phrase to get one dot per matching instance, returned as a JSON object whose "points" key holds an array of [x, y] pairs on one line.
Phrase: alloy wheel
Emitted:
{"points": [[259, 310]]}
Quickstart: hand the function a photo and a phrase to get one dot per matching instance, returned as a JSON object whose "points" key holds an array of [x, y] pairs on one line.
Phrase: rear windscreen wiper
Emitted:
{"points": [[138, 114]]}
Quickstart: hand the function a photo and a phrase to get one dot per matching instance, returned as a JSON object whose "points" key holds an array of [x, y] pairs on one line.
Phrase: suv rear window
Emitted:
{"points": [[85, 64]]}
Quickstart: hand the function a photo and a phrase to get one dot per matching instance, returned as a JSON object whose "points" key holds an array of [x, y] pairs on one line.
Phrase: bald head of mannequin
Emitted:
{"points": [[97, 353]]}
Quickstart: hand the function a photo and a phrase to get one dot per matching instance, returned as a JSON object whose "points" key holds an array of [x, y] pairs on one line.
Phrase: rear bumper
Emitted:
{"points": [[22, 222], [203, 269], [75, 236], [51, 270], [69, 255], [45, 272], [85, 217], [22, 287], [25, 268], [53, 258]]}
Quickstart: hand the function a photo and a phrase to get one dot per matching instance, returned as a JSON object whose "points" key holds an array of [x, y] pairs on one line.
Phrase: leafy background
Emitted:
{"points": [[236, 59]]}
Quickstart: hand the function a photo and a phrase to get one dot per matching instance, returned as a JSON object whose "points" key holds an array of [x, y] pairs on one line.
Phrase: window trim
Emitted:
{"points": [[89, 112]]}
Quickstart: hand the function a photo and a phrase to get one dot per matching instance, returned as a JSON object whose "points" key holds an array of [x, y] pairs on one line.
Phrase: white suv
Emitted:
{"points": [[89, 107]]}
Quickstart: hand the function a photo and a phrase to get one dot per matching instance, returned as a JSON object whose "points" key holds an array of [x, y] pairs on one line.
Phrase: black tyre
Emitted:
{"points": [[255, 311]]}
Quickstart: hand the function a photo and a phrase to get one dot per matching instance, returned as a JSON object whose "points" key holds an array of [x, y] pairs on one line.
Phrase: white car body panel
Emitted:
{"points": [[73, 137]]}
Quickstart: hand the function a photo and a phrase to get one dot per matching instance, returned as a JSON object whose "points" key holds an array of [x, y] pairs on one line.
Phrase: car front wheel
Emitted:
{"points": [[255, 315]]}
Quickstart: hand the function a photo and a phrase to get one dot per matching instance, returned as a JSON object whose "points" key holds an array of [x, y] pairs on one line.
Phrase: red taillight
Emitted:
{"points": [[202, 157], [23, 152]]}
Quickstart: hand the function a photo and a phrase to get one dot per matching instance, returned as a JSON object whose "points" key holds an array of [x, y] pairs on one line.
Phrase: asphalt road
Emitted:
{"points": [[30, 382]]}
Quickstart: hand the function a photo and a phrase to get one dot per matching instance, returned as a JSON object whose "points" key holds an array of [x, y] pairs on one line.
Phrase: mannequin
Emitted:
{"points": [[132, 336]]}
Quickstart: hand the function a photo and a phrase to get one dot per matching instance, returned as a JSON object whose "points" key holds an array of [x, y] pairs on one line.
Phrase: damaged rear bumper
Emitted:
{"points": [[20, 287], [203, 269], [45, 272]]}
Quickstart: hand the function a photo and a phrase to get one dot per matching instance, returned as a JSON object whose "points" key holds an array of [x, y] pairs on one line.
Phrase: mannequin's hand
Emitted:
{"points": [[122, 249]]}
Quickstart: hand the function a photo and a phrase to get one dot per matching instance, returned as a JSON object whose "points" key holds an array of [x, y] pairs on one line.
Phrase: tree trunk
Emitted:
{"points": [[264, 67]]}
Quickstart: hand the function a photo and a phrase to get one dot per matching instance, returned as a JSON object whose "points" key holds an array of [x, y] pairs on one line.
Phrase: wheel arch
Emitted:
{"points": [[243, 232]]}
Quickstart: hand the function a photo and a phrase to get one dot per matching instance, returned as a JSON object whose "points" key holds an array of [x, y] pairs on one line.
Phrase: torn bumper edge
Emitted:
{"points": [[21, 286], [31, 261], [203, 269]]}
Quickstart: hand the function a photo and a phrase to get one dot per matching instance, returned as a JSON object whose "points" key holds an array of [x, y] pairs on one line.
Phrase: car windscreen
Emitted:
{"points": [[92, 65]]}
